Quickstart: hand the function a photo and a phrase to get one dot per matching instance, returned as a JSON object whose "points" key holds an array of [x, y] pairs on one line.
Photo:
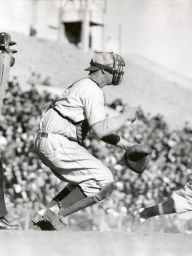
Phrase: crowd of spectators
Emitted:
{"points": [[29, 183]]}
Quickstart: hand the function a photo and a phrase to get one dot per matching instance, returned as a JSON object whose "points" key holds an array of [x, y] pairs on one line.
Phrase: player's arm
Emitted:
{"points": [[100, 126], [104, 130], [117, 141]]}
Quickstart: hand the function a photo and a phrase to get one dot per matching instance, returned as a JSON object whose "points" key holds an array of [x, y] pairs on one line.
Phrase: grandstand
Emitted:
{"points": [[29, 184], [155, 88]]}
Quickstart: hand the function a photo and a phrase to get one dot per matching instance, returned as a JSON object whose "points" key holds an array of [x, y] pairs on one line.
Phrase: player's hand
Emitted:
{"points": [[130, 112]]}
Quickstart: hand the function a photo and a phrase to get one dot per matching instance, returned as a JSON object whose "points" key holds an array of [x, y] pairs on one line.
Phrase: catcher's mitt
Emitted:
{"points": [[137, 157]]}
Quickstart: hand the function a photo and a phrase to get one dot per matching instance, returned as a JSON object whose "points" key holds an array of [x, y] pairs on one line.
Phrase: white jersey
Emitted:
{"points": [[68, 160], [82, 100], [4, 74]]}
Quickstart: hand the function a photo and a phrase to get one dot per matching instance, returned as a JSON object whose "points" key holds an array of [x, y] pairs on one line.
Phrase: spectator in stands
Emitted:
{"points": [[169, 169]]}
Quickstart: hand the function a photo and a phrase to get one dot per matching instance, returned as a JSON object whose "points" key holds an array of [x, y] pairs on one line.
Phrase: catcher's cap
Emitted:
{"points": [[5, 38], [103, 58]]}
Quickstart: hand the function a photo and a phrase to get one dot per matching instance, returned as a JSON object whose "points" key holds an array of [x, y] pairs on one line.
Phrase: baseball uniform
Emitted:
{"points": [[68, 160], [4, 72], [183, 199]]}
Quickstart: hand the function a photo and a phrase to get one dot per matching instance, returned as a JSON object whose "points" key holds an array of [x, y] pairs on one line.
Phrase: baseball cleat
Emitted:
{"points": [[55, 220], [49, 221], [5, 225], [137, 220], [39, 221]]}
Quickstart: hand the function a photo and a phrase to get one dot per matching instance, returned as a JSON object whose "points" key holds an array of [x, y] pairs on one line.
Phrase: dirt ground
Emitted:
{"points": [[45, 243]]}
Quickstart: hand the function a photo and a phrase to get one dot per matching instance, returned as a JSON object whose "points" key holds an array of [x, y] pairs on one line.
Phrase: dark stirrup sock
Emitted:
{"points": [[58, 198], [73, 197], [166, 207], [66, 198], [3, 209]]}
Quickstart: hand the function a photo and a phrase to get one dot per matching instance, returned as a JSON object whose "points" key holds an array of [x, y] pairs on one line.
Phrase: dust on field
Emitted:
{"points": [[31, 243]]}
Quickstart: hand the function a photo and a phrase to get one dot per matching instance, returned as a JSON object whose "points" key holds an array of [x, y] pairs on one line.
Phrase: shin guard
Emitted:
{"points": [[88, 201]]}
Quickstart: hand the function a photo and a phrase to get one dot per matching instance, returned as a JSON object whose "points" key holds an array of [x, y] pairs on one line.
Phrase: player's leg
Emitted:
{"points": [[142, 214], [166, 207], [75, 165], [40, 221], [3, 209], [45, 152], [180, 202], [4, 223], [95, 180], [77, 200]]}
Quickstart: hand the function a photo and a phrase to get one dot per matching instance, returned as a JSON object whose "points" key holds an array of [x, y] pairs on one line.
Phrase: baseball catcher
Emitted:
{"points": [[6, 61], [62, 129]]}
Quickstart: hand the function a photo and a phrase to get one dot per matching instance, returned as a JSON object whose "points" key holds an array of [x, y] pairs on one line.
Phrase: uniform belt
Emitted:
{"points": [[46, 135]]}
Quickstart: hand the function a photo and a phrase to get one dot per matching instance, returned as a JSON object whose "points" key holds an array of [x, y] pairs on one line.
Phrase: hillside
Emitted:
{"points": [[156, 89], [145, 83], [64, 63]]}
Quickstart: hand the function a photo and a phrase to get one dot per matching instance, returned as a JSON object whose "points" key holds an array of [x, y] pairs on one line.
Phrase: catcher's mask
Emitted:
{"points": [[116, 70], [5, 43]]}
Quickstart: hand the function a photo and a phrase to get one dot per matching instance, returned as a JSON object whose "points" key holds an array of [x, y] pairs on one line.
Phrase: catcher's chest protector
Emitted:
{"points": [[4, 74]]}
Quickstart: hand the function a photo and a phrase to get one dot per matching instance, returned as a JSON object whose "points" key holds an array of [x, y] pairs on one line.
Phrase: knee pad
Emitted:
{"points": [[88, 201], [105, 192]]}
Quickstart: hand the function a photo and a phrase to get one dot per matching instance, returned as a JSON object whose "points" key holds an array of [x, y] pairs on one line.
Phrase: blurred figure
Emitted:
{"points": [[47, 81], [33, 79], [6, 61], [180, 202]]}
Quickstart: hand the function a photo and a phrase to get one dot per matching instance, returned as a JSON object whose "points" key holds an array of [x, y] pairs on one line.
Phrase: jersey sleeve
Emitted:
{"points": [[93, 103]]}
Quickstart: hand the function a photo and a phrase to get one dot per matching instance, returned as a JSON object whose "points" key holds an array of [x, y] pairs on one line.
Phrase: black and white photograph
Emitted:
{"points": [[95, 127]]}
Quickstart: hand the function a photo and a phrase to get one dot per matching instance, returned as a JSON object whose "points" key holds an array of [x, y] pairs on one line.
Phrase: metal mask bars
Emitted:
{"points": [[116, 70]]}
